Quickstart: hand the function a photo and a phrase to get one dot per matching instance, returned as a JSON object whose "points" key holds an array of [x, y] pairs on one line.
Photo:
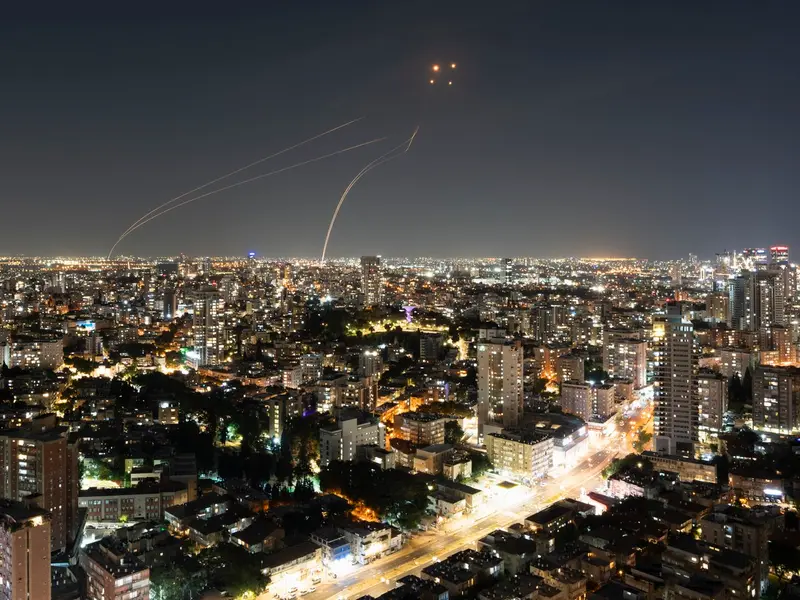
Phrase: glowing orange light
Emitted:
{"points": [[452, 65], [449, 83], [435, 67], [432, 82]]}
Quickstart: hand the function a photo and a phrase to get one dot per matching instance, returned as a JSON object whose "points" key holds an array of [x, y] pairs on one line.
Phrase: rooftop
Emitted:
{"points": [[549, 514], [112, 556]]}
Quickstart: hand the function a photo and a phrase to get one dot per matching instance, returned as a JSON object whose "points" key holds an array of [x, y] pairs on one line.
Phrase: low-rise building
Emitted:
{"points": [[421, 428], [685, 557], [463, 570], [687, 469], [371, 541], [430, 460], [147, 501], [262, 535], [526, 455], [296, 564], [113, 573]]}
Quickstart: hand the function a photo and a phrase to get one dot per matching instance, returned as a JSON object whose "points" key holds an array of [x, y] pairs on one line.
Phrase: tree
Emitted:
{"points": [[736, 399], [480, 464], [177, 582], [747, 387], [784, 558], [453, 434], [641, 441], [233, 569], [393, 496], [620, 464]]}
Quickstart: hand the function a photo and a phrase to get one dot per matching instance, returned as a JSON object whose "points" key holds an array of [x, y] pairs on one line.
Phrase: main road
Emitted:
{"points": [[500, 511]]}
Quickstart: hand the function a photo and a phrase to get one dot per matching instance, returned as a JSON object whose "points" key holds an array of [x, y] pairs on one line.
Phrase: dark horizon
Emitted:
{"points": [[636, 130]]}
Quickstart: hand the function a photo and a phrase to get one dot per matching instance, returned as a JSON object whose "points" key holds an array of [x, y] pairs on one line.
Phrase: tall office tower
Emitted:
{"points": [[508, 271], [500, 397], [776, 399], [209, 308], [676, 411], [548, 321], [788, 275], [25, 551], [676, 275], [170, 298], [625, 355], [229, 288], [370, 363], [718, 307], [782, 344], [753, 257], [39, 464], [742, 301], [371, 280], [778, 254], [712, 393], [770, 299]]}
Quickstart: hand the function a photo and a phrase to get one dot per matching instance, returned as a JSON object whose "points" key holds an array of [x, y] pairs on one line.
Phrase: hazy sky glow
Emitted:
{"points": [[571, 128]]}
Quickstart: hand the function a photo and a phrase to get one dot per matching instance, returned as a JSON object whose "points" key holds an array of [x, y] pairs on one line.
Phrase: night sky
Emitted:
{"points": [[641, 128]]}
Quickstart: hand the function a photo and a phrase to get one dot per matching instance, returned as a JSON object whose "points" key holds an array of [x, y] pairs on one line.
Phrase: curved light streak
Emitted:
{"points": [[371, 165], [231, 174], [244, 181]]}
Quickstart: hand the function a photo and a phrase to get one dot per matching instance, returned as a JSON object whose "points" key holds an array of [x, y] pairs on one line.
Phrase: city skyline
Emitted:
{"points": [[567, 131]]}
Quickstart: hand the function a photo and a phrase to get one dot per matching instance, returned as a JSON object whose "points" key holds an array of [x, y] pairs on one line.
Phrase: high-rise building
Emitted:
{"points": [[676, 412], [209, 308], [170, 299], [500, 398], [25, 551], [753, 257], [371, 280], [712, 392], [734, 361], [776, 399], [429, 346], [113, 573], [548, 321], [778, 254], [353, 429], [526, 455], [587, 400], [770, 299], [229, 289], [742, 298], [625, 355], [280, 408], [370, 363], [39, 465], [312, 367], [420, 428], [508, 271], [718, 307], [570, 367], [576, 398]]}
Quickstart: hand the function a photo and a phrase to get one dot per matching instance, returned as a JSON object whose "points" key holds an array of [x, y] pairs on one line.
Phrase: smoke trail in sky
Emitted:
{"points": [[232, 173], [238, 183], [371, 165]]}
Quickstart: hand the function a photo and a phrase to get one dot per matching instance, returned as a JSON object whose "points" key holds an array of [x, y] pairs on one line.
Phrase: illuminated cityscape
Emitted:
{"points": [[265, 412], [419, 300]]}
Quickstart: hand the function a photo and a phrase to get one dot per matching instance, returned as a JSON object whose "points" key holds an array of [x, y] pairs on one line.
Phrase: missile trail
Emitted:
{"points": [[371, 165], [231, 174], [244, 181]]}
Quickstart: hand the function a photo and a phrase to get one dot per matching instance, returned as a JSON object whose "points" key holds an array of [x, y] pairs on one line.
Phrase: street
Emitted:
{"points": [[501, 511]]}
